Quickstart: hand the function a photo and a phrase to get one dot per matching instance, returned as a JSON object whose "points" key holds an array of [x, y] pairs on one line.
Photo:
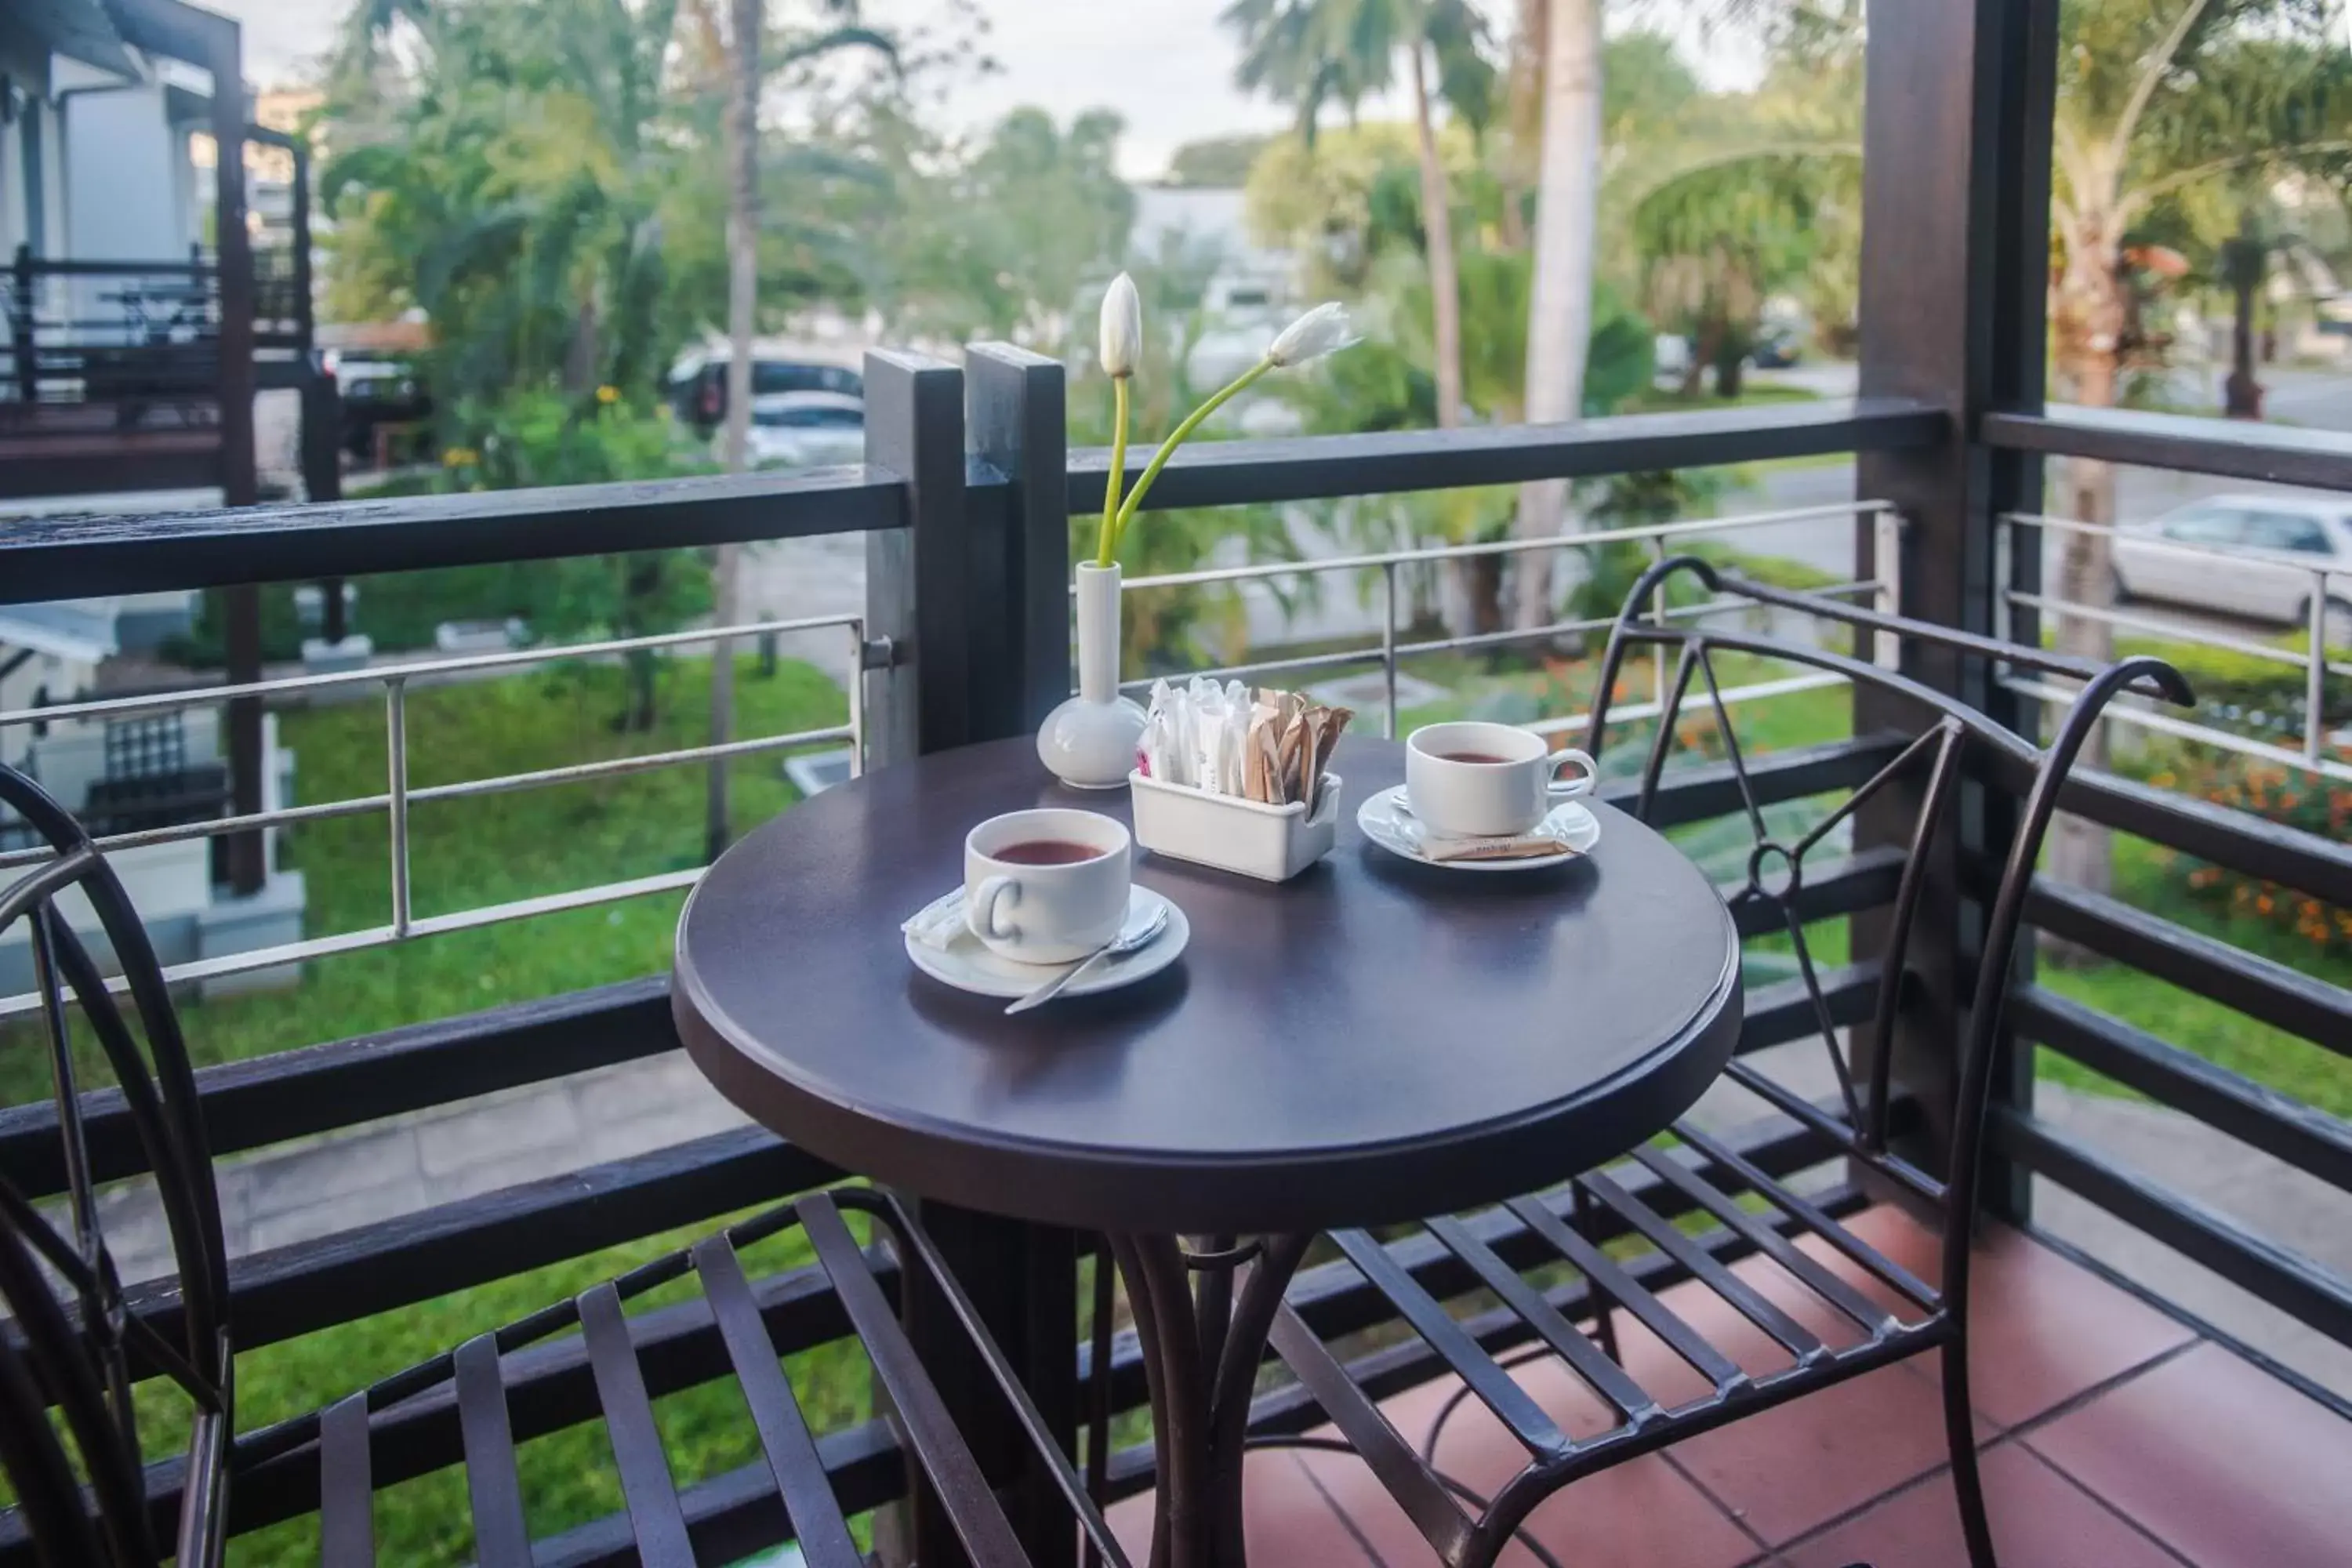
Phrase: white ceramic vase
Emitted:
{"points": [[1089, 741]]}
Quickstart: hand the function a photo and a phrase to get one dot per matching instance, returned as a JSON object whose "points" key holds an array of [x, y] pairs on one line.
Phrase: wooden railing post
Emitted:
{"points": [[949, 592], [20, 323], [1955, 194], [919, 702], [1016, 409]]}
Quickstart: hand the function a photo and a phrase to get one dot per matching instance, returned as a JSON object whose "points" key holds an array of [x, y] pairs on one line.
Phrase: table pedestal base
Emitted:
{"points": [[1203, 1333]]}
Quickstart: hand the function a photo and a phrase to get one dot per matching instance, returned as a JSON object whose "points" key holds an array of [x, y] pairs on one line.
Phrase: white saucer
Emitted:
{"points": [[1390, 823], [969, 966]]}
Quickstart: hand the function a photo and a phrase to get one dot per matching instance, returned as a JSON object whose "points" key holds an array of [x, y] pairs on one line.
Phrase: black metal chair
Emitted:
{"points": [[70, 1360], [1708, 1176]]}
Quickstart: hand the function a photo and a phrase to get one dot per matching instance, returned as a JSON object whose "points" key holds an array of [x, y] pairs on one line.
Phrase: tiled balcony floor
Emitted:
{"points": [[2113, 1438]]}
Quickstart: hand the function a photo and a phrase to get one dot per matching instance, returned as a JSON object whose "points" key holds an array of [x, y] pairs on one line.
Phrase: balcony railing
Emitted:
{"points": [[138, 334], [965, 635]]}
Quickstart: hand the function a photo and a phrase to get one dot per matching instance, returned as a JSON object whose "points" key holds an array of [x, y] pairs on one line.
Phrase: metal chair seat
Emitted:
{"points": [[1891, 1313], [660, 1532], [1839, 1324]]}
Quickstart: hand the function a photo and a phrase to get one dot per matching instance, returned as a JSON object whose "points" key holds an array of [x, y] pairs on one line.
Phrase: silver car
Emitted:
{"points": [[807, 429], [2244, 555]]}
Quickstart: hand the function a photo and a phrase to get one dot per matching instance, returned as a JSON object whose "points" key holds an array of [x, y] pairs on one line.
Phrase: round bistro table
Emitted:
{"points": [[1373, 1042]]}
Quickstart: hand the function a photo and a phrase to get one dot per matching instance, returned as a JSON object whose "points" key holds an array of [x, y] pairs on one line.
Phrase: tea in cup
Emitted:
{"points": [[1046, 885], [1474, 780]]}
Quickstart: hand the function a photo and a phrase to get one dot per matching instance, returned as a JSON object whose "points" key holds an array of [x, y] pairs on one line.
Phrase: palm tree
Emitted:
{"points": [[1718, 239], [1311, 52], [745, 79], [1560, 307], [517, 196], [2157, 98]]}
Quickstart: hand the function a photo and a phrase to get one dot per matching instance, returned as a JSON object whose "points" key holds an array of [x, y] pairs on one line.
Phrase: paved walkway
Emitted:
{"points": [[301, 1191]]}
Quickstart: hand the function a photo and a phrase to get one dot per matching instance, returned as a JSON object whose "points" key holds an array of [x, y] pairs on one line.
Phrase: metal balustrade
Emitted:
{"points": [[1885, 592], [399, 795], [2023, 529]]}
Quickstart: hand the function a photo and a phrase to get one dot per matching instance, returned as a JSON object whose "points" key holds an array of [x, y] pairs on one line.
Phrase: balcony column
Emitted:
{"points": [[224, 56], [1956, 202], [966, 593]]}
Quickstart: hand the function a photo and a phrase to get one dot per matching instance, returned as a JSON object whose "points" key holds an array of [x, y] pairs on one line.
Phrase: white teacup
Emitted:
{"points": [[1046, 885], [1487, 780]]}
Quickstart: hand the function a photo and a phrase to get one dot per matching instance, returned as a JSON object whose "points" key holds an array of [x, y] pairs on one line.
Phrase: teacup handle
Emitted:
{"points": [[980, 909], [1569, 789]]}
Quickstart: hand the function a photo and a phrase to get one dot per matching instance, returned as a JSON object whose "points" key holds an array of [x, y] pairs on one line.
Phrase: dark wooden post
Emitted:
{"points": [[1955, 241], [915, 575], [299, 147], [1018, 581], [1016, 406], [224, 53], [940, 589], [22, 343]]}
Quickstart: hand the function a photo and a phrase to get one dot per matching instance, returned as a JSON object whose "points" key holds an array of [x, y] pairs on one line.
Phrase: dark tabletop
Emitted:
{"points": [[1370, 1042]]}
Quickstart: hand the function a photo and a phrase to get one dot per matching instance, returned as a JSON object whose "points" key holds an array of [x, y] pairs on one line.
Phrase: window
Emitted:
{"points": [[787, 375], [809, 419], [2208, 525], [2289, 532]]}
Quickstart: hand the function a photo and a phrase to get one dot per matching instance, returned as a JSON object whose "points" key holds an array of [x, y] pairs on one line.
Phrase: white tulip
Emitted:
{"points": [[1122, 327], [1323, 329]]}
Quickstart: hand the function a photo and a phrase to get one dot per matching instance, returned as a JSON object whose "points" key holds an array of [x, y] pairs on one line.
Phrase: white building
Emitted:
{"points": [[94, 139]]}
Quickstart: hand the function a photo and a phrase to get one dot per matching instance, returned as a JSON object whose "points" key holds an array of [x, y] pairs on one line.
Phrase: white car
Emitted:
{"points": [[807, 429], [2243, 555]]}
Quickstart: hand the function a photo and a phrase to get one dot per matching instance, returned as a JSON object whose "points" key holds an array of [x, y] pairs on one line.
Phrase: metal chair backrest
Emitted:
{"points": [[74, 1346], [1958, 741]]}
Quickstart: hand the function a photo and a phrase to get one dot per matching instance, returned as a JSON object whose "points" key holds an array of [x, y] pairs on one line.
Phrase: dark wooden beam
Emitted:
{"points": [[1308, 468], [67, 557], [327, 1088], [2229, 449], [2294, 1284]]}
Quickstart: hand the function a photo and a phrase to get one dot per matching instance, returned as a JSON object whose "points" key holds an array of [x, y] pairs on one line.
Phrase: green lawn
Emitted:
{"points": [[494, 849]]}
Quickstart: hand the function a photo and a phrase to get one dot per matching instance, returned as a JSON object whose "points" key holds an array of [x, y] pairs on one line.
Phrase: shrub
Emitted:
{"points": [[2276, 793], [2245, 693]]}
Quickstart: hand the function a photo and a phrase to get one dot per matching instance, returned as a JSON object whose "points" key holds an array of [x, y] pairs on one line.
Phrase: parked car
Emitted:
{"points": [[1779, 345], [807, 429], [2268, 546], [377, 389], [698, 382]]}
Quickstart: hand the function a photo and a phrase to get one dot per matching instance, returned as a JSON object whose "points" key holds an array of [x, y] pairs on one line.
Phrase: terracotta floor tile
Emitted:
{"points": [[2039, 1519], [1641, 1514], [1289, 1520], [2044, 1330], [2233, 1468], [1790, 1468]]}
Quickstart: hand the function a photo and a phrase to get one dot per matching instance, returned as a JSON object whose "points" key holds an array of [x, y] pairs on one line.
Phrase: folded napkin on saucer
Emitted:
{"points": [[1517, 846], [938, 924]]}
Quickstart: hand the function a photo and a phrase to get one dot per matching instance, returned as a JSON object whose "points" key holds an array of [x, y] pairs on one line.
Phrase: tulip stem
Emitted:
{"points": [[1175, 439], [1106, 541]]}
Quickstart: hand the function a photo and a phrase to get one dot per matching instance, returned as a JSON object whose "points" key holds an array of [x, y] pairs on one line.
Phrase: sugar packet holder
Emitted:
{"points": [[1271, 843]]}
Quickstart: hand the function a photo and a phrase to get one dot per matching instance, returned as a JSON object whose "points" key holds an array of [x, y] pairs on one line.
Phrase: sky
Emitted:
{"points": [[1165, 64]]}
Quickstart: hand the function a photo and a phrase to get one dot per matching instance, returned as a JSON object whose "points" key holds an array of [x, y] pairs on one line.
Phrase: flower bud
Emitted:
{"points": [[1122, 327], [1323, 329]]}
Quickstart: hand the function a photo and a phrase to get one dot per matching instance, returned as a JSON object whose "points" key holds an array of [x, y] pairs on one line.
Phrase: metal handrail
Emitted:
{"points": [[2313, 660], [399, 795], [1389, 652]]}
